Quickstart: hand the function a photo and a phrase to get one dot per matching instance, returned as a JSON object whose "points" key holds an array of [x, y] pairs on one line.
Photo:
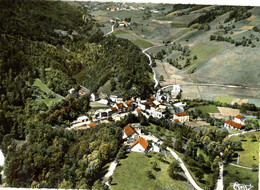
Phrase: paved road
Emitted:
{"points": [[206, 84], [236, 165], [220, 182], [187, 173], [154, 74], [110, 172], [112, 30]]}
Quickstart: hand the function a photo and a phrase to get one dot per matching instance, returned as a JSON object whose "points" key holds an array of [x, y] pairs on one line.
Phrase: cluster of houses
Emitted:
{"points": [[154, 107], [238, 123]]}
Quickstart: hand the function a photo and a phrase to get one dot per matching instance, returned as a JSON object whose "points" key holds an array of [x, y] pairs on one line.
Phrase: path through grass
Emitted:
{"points": [[132, 174]]}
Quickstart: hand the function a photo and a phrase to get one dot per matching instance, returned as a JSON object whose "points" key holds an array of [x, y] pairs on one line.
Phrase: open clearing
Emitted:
{"points": [[234, 174], [249, 156], [43, 98], [132, 174], [226, 100], [239, 101], [142, 43], [226, 112]]}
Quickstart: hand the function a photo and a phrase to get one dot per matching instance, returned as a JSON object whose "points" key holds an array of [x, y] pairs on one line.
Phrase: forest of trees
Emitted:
{"points": [[60, 45]]}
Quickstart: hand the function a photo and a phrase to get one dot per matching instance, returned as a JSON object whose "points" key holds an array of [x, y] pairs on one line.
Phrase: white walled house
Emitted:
{"points": [[140, 145], [232, 125], [83, 118], [240, 119], [176, 89], [182, 117], [113, 98], [94, 97]]}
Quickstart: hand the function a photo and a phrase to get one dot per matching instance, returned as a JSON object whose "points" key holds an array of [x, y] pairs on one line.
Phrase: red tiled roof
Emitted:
{"points": [[80, 91], [129, 105], [128, 130], [142, 142], [181, 114], [120, 105], [138, 110], [114, 109], [239, 116], [129, 101], [234, 124], [176, 120], [92, 125]]}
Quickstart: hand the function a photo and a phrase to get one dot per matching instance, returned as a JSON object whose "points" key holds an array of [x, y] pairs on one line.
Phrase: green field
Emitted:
{"points": [[48, 101], [208, 109], [204, 52], [131, 174], [118, 32], [142, 43], [234, 174], [179, 25], [251, 149], [226, 100]]}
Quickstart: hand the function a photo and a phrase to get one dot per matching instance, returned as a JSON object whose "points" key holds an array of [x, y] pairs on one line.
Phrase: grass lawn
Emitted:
{"points": [[234, 174], [118, 32], [179, 25], [203, 52], [131, 174], [207, 109], [250, 149], [158, 131], [226, 100], [43, 87], [142, 43]]}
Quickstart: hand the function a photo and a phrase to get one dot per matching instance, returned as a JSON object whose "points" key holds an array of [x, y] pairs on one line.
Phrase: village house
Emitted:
{"points": [[141, 145], [137, 127], [129, 133], [239, 119], [113, 98], [83, 118], [179, 107], [232, 125], [176, 89], [94, 97], [101, 113], [137, 112], [182, 117]]}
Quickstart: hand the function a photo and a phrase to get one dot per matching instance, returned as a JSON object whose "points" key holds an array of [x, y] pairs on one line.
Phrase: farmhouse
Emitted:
{"points": [[182, 117], [240, 119], [232, 125], [129, 132], [140, 145]]}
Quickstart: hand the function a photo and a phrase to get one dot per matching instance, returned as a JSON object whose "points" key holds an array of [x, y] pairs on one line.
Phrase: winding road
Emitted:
{"points": [[110, 172], [112, 30], [175, 155]]}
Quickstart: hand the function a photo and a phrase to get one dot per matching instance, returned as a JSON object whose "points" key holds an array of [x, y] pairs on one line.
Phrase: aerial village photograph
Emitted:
{"points": [[129, 96]]}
